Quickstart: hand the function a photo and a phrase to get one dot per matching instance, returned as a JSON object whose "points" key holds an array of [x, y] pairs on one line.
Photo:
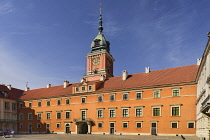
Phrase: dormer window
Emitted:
{"points": [[5, 94], [83, 88]]}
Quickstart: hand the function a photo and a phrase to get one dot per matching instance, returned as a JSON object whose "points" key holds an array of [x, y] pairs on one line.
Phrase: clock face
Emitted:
{"points": [[96, 61]]}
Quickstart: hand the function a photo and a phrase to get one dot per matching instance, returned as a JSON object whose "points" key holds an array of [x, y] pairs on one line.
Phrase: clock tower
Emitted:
{"points": [[99, 60]]}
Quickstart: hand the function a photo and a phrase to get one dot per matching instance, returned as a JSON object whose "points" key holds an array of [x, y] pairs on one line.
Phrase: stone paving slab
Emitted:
{"points": [[93, 137]]}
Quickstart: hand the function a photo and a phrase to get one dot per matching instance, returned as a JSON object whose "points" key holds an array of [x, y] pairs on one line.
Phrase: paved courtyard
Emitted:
{"points": [[93, 137]]}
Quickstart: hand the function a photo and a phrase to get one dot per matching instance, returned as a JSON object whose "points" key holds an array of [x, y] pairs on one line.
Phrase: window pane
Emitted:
{"points": [[138, 112], [190, 125], [138, 125], [174, 125], [175, 111], [156, 111], [175, 92], [138, 95]]}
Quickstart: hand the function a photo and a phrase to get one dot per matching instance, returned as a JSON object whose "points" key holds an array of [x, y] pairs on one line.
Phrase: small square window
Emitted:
{"points": [[39, 103], [125, 96], [83, 88], [157, 94], [138, 125], [89, 87], [139, 95], [174, 125], [83, 100], [100, 125], [100, 99], [67, 101], [77, 89], [125, 125], [112, 97], [176, 92], [156, 111], [48, 103], [191, 125], [57, 125]]}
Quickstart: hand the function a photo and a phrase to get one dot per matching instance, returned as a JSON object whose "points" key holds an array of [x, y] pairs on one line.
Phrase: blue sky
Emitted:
{"points": [[45, 41]]}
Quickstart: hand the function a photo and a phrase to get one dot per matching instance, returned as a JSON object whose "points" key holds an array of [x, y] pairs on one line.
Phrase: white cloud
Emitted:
{"points": [[6, 8]]}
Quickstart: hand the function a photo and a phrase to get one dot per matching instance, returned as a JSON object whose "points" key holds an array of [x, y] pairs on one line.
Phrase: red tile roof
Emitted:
{"points": [[177, 75], [13, 94]]}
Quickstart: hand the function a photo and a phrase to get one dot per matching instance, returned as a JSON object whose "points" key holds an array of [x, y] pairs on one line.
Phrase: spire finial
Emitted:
{"points": [[100, 28]]}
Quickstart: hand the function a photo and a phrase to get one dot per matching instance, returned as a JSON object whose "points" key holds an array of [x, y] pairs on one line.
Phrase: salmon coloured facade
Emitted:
{"points": [[158, 102]]}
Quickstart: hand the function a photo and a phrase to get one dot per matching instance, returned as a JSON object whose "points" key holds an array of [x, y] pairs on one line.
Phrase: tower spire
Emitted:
{"points": [[100, 28]]}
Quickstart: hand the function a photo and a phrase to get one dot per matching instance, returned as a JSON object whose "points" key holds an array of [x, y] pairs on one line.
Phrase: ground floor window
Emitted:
{"points": [[138, 124], [125, 124], [100, 125], [174, 124], [191, 125]]}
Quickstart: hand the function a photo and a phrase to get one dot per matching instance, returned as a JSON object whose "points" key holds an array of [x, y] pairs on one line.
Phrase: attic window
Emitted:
{"points": [[5, 94]]}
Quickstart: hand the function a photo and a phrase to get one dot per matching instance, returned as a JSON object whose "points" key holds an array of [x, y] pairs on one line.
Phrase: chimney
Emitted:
{"points": [[199, 61], [147, 69], [102, 78], [82, 80], [48, 85], [27, 89], [9, 87], [124, 75], [66, 84]]}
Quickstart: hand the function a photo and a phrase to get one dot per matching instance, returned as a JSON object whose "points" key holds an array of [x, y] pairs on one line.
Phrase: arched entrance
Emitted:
{"points": [[67, 128]]}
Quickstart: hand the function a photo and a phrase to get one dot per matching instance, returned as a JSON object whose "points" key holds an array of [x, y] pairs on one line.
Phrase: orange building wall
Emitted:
{"points": [[187, 99]]}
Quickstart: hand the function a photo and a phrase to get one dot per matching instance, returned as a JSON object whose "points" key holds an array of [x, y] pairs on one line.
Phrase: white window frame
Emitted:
{"points": [[191, 122], [29, 116], [123, 97], [139, 107], [101, 124], [114, 108], [141, 122], [69, 114], [139, 92], [60, 114], [157, 106], [155, 94], [112, 94], [85, 110], [102, 110], [49, 116], [47, 102], [40, 103], [90, 88], [83, 88], [58, 123], [125, 122], [77, 89], [175, 105], [174, 90], [127, 108], [83, 98], [177, 122]]}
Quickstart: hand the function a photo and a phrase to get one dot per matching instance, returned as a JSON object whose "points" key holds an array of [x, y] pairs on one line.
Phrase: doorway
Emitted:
{"points": [[154, 128], [67, 130], [82, 128], [112, 128], [48, 128], [29, 128]]}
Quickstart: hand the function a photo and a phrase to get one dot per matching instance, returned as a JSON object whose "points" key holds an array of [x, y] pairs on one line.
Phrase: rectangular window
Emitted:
{"points": [[125, 96], [48, 115], [77, 89], [112, 97], [157, 94], [125, 113], [100, 113], [125, 124], [83, 88], [174, 124], [67, 101], [6, 105], [39, 116], [48, 102], [138, 124], [39, 103], [139, 95], [83, 115], [20, 105], [111, 113], [59, 102], [30, 104], [176, 92], [21, 125], [100, 98], [191, 125], [68, 115], [14, 106], [21, 116], [58, 125], [100, 125], [58, 115], [38, 125], [83, 99], [175, 111], [138, 112], [30, 117], [89, 87], [156, 111]]}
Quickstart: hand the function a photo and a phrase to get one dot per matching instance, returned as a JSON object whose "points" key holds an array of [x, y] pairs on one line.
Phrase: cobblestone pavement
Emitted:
{"points": [[93, 137]]}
